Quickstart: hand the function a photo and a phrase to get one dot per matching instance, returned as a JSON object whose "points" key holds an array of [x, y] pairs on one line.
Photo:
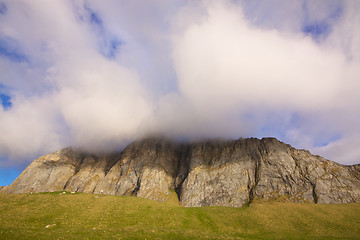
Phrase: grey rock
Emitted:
{"points": [[47, 173], [205, 173]]}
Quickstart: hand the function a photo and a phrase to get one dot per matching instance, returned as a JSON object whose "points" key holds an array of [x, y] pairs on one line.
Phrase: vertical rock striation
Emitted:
{"points": [[206, 173]]}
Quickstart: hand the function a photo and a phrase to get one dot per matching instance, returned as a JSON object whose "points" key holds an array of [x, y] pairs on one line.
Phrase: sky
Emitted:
{"points": [[98, 74]]}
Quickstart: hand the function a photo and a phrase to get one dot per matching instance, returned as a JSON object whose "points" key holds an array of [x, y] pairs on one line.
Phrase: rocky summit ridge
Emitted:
{"points": [[205, 173]]}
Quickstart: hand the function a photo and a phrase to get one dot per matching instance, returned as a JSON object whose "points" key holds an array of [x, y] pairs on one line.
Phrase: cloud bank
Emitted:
{"points": [[97, 75]]}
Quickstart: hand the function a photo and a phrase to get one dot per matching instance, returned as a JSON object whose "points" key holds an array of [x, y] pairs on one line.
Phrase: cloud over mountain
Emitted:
{"points": [[98, 75]]}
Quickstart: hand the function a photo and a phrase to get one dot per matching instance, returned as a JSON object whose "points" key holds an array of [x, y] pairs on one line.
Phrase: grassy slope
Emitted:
{"points": [[86, 216]]}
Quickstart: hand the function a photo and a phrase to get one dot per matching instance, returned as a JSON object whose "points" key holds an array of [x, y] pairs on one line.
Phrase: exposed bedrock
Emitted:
{"points": [[206, 173]]}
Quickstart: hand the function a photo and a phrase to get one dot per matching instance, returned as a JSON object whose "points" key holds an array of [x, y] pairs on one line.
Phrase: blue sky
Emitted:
{"points": [[99, 74]]}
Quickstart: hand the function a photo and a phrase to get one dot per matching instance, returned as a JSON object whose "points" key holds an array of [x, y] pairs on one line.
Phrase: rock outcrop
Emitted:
{"points": [[207, 173]]}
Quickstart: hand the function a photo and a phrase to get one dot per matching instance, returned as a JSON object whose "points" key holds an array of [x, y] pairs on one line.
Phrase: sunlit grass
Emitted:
{"points": [[86, 216]]}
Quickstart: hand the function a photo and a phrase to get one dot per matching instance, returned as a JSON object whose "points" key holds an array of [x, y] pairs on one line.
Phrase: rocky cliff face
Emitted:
{"points": [[207, 173]]}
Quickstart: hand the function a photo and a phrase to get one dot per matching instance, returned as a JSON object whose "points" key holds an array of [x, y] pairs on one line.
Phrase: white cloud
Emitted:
{"points": [[226, 66], [225, 59], [79, 98], [345, 150], [29, 128], [106, 106], [189, 69]]}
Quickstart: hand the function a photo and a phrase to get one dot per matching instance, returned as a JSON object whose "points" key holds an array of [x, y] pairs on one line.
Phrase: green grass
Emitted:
{"points": [[86, 216]]}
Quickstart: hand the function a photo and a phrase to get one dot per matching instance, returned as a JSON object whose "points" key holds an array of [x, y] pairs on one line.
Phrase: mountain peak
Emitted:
{"points": [[203, 173]]}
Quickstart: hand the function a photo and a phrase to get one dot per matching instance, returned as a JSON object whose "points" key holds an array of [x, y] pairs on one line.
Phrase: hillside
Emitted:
{"points": [[205, 173], [90, 216]]}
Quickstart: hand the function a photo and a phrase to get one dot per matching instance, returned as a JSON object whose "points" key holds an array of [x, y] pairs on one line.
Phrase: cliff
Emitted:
{"points": [[206, 173]]}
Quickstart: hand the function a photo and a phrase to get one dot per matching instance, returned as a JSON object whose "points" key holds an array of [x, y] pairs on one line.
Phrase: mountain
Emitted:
{"points": [[205, 173]]}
